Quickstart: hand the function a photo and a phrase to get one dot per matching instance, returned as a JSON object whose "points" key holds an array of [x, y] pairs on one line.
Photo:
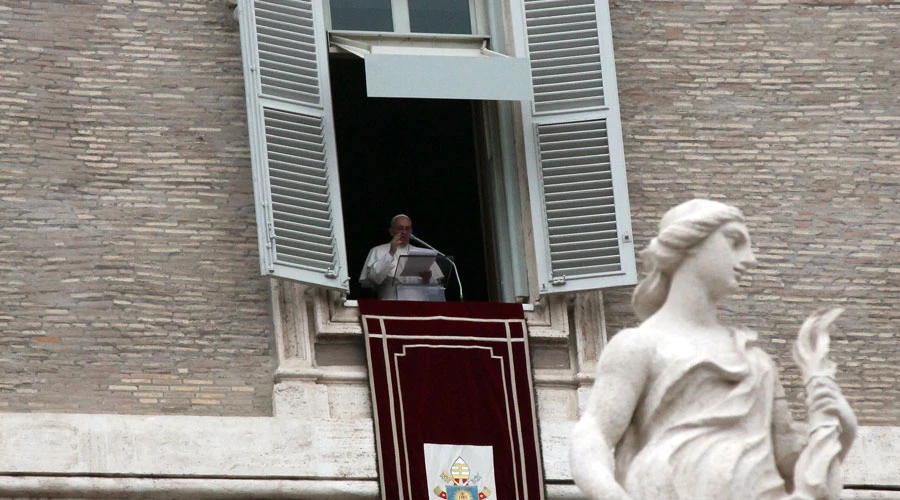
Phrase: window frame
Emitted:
{"points": [[400, 16], [522, 145]]}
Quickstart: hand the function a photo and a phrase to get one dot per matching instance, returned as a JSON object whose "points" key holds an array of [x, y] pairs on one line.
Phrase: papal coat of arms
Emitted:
{"points": [[459, 484]]}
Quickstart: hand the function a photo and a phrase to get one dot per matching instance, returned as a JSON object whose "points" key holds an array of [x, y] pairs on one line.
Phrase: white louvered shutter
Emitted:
{"points": [[294, 159], [573, 142]]}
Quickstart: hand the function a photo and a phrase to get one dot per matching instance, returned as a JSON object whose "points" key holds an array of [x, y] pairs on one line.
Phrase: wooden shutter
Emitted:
{"points": [[295, 176], [574, 154]]}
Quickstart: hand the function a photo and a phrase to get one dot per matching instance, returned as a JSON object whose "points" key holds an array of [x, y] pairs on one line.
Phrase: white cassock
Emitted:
{"points": [[380, 271]]}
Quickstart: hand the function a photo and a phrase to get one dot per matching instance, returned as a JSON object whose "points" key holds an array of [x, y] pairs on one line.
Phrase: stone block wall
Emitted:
{"points": [[129, 275], [789, 110]]}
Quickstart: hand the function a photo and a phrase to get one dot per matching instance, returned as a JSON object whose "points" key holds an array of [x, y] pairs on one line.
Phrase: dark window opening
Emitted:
{"points": [[412, 156]]}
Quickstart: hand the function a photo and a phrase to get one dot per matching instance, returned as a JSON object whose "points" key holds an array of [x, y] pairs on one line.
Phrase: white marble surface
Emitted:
{"points": [[687, 407], [186, 446], [240, 457]]}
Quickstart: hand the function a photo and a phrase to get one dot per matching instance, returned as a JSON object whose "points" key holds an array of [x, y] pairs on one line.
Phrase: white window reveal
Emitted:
{"points": [[436, 66]]}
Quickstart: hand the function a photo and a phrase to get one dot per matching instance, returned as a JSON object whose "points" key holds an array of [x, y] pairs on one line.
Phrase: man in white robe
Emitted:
{"points": [[380, 271]]}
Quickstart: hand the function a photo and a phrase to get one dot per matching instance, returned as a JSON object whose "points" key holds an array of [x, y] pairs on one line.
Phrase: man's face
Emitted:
{"points": [[403, 227]]}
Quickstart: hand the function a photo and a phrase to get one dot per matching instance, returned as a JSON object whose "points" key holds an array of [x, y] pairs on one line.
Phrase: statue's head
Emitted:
{"points": [[680, 229]]}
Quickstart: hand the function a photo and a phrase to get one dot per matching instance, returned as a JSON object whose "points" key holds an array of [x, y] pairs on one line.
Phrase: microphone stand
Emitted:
{"points": [[442, 254]]}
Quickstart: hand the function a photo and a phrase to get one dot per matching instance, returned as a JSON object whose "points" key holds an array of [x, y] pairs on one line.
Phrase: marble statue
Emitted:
{"points": [[685, 407]]}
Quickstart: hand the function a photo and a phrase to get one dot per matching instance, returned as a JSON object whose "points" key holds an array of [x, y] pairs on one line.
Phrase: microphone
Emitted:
{"points": [[441, 254]]}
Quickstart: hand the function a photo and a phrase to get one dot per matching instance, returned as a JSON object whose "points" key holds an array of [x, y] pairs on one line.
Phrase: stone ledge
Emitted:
{"points": [[184, 488], [185, 446], [106, 456], [240, 489], [851, 494]]}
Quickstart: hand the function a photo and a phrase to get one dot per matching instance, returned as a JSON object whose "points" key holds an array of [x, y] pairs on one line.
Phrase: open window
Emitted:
{"points": [[551, 125], [415, 156]]}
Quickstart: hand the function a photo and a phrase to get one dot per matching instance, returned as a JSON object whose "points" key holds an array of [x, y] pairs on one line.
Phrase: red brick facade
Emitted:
{"points": [[129, 279], [128, 265], [788, 110]]}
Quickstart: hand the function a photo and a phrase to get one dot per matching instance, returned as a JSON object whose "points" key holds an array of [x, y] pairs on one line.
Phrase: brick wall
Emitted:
{"points": [[789, 110], [129, 277], [128, 263]]}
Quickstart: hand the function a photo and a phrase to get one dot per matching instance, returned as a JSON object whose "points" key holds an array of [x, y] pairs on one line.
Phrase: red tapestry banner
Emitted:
{"points": [[453, 400]]}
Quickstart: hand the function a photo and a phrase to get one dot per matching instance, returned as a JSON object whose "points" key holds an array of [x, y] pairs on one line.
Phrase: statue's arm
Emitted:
{"points": [[618, 385], [788, 437]]}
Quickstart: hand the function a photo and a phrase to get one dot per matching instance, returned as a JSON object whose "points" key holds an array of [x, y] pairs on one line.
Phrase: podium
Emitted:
{"points": [[410, 266], [422, 292]]}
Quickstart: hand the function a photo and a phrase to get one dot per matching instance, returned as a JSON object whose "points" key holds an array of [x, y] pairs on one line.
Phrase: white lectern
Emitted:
{"points": [[409, 267]]}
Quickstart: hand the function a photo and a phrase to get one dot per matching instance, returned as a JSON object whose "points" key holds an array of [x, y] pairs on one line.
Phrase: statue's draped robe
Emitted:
{"points": [[703, 430]]}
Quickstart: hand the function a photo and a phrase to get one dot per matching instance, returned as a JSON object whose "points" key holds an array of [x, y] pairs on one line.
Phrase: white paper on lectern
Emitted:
{"points": [[418, 261]]}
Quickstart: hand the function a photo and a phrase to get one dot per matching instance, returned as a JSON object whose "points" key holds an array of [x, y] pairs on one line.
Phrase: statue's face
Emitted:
{"points": [[723, 258]]}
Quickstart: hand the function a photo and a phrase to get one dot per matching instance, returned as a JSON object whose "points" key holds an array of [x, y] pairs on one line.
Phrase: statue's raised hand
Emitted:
{"points": [[831, 422]]}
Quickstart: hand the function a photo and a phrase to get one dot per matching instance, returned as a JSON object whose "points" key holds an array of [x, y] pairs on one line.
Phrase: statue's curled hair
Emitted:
{"points": [[680, 229]]}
